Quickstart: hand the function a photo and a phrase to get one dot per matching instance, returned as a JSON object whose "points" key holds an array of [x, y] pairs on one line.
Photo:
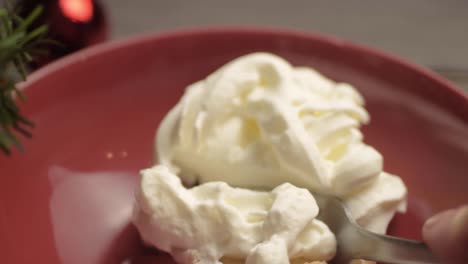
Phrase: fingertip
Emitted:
{"points": [[460, 226], [447, 235]]}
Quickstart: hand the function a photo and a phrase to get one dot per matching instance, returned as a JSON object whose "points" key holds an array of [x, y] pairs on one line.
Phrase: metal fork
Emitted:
{"points": [[355, 242]]}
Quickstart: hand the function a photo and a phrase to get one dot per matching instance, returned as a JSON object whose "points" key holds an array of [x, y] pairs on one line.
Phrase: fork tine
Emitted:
{"points": [[355, 242]]}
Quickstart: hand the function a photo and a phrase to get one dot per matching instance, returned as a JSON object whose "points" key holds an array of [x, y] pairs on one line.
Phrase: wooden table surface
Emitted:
{"points": [[432, 33]]}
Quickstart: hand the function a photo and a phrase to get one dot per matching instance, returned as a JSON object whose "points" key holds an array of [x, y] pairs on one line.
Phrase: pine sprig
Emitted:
{"points": [[19, 45]]}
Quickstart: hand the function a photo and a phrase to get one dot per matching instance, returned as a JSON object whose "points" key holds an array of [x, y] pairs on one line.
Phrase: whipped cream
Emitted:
{"points": [[258, 122], [213, 221]]}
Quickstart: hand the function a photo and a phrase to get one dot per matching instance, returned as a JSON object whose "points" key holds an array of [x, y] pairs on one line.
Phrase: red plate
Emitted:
{"points": [[68, 197]]}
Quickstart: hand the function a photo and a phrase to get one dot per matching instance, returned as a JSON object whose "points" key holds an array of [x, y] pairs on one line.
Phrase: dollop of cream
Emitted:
{"points": [[213, 221], [259, 122]]}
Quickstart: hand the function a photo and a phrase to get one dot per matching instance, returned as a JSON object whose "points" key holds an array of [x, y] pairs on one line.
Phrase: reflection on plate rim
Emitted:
{"points": [[142, 38]]}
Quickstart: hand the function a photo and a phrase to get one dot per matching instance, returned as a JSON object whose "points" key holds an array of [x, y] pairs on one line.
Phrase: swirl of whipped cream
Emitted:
{"points": [[214, 222], [258, 122]]}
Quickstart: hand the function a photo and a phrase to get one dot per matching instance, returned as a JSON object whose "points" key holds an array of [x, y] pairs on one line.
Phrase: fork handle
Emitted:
{"points": [[390, 249]]}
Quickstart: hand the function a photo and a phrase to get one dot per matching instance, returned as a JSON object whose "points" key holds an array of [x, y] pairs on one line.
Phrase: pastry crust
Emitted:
{"points": [[296, 261], [292, 261], [361, 261]]}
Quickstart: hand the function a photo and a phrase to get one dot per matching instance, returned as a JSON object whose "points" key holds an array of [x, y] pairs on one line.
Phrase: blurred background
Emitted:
{"points": [[432, 33]]}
